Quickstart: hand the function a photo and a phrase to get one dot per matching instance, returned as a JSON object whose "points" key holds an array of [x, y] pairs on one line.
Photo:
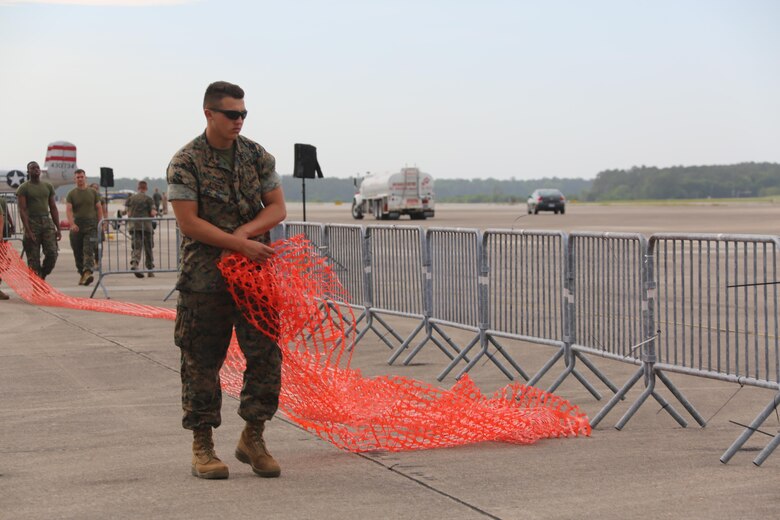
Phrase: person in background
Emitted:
{"points": [[84, 211], [141, 205], [227, 196], [157, 198], [41, 220]]}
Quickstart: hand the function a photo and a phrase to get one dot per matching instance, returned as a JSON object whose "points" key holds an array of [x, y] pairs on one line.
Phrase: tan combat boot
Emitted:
{"points": [[205, 463], [251, 450]]}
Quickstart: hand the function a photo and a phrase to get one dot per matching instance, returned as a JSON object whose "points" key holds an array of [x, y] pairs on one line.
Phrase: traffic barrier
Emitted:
{"points": [[116, 247], [526, 284], [715, 314], [13, 220], [395, 281], [453, 268]]}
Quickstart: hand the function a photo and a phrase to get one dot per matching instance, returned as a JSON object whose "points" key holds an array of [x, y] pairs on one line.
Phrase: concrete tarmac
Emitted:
{"points": [[90, 428]]}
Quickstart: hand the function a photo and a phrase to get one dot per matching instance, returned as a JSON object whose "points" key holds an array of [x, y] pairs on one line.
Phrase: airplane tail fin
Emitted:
{"points": [[60, 161]]}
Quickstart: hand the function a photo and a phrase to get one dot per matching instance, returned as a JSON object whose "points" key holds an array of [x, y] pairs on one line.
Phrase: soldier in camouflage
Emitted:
{"points": [[141, 205], [226, 196], [36, 201], [84, 211]]}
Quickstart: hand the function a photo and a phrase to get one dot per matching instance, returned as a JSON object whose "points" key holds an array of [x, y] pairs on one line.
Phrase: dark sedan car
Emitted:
{"points": [[546, 200]]}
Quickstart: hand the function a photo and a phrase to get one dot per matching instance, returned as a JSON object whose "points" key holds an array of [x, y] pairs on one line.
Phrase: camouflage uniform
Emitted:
{"points": [[41, 226], [140, 205], [84, 241], [205, 312]]}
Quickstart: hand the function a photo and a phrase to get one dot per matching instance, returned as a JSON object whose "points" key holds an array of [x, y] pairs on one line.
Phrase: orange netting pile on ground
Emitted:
{"points": [[289, 298]]}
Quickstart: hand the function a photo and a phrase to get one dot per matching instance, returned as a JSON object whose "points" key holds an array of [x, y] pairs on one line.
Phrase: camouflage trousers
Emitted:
{"points": [[143, 241], [84, 244], [45, 238], [204, 325]]}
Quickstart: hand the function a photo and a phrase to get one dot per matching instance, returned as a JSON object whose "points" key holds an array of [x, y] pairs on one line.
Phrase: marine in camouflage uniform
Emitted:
{"points": [[84, 212], [141, 205], [41, 231], [238, 197]]}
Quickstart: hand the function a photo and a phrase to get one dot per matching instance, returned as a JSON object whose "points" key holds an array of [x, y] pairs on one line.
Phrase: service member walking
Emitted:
{"points": [[141, 205], [36, 201], [84, 212], [226, 196]]}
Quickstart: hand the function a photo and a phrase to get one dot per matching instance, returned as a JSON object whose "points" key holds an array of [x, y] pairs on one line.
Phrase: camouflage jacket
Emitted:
{"points": [[226, 199], [139, 205]]}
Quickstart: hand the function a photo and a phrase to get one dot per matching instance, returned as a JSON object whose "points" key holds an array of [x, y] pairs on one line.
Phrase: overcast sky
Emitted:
{"points": [[462, 89]]}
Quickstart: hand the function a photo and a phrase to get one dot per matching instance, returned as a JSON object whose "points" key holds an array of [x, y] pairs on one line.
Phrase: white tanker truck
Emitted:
{"points": [[390, 195]]}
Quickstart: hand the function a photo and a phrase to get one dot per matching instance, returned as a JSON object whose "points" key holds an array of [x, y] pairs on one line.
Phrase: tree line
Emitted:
{"points": [[686, 182]]}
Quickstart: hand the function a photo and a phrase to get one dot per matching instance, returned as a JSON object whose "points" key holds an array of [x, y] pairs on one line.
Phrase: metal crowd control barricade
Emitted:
{"points": [[610, 282], [451, 283], [716, 314], [526, 291], [395, 281], [13, 219], [115, 250], [347, 253], [458, 296]]}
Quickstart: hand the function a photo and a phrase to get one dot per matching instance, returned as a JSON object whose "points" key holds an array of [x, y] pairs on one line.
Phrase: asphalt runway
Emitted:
{"points": [[754, 218]]}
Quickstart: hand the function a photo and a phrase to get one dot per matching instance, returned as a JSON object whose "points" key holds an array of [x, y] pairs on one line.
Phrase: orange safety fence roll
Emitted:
{"points": [[291, 298]]}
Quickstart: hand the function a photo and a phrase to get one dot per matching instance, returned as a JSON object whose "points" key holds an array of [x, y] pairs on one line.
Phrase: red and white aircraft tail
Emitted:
{"points": [[57, 169]]}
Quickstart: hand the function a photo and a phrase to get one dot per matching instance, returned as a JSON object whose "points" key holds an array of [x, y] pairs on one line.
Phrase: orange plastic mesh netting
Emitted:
{"points": [[288, 299]]}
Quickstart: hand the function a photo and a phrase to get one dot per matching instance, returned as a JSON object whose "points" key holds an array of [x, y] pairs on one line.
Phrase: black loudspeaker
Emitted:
{"points": [[306, 165], [106, 177]]}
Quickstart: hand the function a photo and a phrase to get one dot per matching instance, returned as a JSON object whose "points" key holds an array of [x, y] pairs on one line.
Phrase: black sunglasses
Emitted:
{"points": [[231, 114]]}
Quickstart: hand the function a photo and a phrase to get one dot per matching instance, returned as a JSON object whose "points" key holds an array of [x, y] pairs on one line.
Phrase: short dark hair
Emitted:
{"points": [[219, 90], [142, 184], [31, 162], [79, 171]]}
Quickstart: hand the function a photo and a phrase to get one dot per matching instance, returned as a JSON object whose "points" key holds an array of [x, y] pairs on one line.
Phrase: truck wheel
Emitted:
{"points": [[393, 216], [357, 211]]}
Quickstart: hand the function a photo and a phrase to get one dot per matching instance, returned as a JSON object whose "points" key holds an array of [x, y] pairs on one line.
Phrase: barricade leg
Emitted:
{"points": [[405, 343], [506, 355], [483, 340], [598, 373], [681, 398], [430, 336], [767, 451], [745, 435], [570, 362], [649, 370], [617, 397], [460, 357]]}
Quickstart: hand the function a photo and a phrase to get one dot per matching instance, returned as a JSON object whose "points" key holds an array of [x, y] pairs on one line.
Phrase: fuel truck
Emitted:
{"points": [[387, 196]]}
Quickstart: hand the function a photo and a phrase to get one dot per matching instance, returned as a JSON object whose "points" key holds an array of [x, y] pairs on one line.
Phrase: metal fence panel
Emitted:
{"points": [[716, 311], [455, 257], [397, 283], [347, 255], [526, 283], [608, 281], [116, 246]]}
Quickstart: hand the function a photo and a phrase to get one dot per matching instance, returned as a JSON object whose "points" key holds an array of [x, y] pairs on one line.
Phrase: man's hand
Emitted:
{"points": [[59, 235], [29, 235], [257, 251], [74, 228]]}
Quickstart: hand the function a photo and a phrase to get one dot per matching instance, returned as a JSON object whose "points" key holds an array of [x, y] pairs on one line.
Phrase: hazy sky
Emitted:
{"points": [[462, 89]]}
